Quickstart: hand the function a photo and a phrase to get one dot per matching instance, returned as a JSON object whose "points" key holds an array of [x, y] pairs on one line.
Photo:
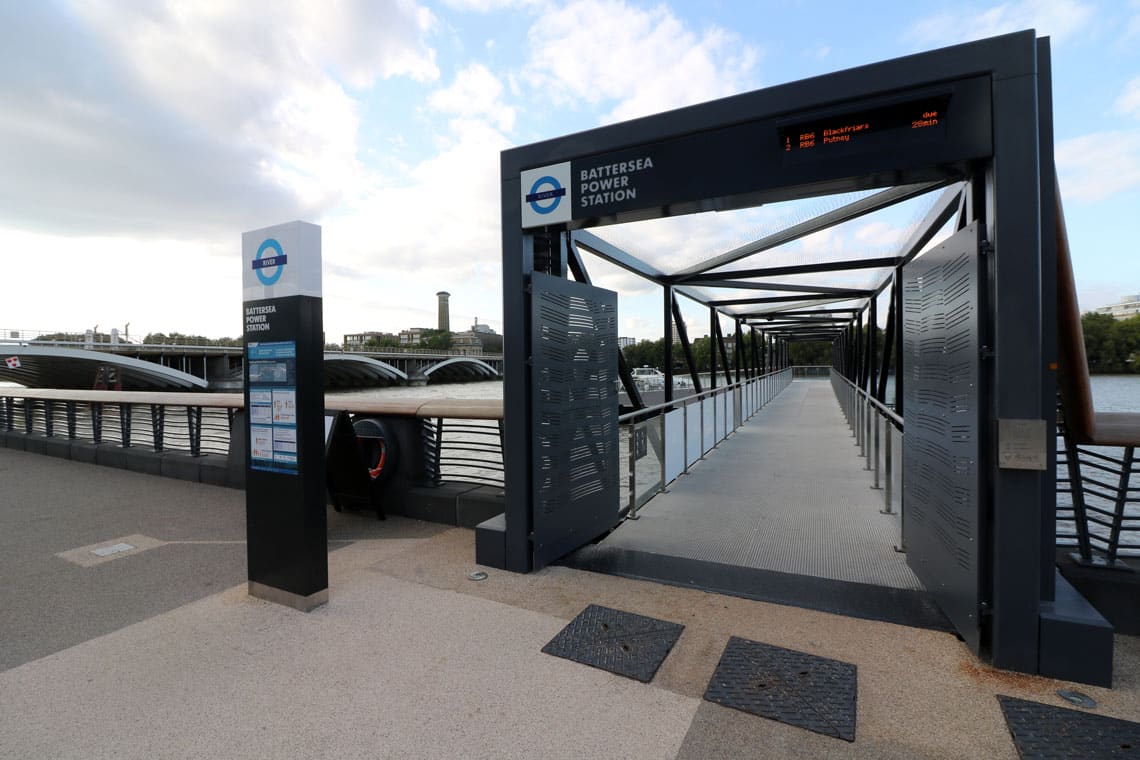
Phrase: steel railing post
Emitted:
{"points": [[869, 414], [877, 422], [1118, 511], [685, 434], [888, 490], [632, 441]]}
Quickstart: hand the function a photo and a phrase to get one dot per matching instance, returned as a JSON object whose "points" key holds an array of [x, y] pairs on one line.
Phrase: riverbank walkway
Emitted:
{"points": [[158, 651]]}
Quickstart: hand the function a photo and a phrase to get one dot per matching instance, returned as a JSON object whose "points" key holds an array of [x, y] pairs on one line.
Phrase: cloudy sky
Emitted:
{"points": [[140, 138]]}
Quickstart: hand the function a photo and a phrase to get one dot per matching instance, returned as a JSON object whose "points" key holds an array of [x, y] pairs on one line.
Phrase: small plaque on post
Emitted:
{"points": [[1022, 445]]}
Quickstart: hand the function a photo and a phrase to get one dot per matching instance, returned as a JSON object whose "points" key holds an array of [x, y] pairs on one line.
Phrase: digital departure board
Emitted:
{"points": [[917, 121]]}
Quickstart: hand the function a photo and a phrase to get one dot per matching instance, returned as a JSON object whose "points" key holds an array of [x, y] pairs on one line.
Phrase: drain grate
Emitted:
{"points": [[1045, 731], [792, 687], [630, 645]]}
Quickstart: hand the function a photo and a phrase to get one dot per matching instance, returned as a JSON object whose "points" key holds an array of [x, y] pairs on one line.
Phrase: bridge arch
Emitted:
{"points": [[460, 369], [356, 371], [55, 367]]}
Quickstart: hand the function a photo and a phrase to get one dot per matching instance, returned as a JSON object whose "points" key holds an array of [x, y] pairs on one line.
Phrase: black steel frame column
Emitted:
{"points": [[872, 345], [686, 347], [738, 349], [518, 264], [667, 346], [723, 352], [1018, 363], [900, 373], [1049, 326], [713, 330], [888, 345]]}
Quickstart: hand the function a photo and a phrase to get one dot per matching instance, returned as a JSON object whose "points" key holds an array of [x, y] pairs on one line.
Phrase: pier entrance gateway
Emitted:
{"points": [[972, 326]]}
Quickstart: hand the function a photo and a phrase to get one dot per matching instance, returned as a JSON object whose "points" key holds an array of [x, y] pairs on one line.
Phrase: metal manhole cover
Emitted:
{"points": [[630, 645], [1045, 731], [792, 687]]}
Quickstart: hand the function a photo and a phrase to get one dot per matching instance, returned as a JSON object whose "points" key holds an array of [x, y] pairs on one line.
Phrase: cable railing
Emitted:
{"points": [[662, 442], [878, 433]]}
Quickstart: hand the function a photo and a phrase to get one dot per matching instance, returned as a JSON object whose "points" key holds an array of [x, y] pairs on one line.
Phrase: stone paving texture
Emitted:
{"points": [[161, 653]]}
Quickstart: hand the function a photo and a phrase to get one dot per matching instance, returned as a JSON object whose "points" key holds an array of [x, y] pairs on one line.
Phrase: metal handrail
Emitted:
{"points": [[882, 408], [765, 387], [863, 412], [693, 397]]}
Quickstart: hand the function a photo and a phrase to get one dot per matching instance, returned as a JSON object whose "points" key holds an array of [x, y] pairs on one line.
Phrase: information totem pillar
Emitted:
{"points": [[286, 530]]}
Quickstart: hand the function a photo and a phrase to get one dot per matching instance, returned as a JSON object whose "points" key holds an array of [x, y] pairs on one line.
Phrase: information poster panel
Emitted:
{"points": [[273, 406]]}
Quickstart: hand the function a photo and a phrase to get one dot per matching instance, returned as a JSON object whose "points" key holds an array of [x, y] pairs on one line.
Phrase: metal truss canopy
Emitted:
{"points": [[968, 129]]}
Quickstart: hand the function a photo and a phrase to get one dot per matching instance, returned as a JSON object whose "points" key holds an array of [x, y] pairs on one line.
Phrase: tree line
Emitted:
{"points": [[1112, 346]]}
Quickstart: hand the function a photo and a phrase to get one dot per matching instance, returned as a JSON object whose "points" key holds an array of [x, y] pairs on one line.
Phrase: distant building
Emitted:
{"points": [[626, 342], [478, 340], [444, 311], [356, 341], [413, 336], [1128, 306]]}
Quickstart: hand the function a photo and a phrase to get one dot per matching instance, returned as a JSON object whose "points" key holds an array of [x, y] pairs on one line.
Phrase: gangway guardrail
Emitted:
{"points": [[663, 441], [878, 432]]}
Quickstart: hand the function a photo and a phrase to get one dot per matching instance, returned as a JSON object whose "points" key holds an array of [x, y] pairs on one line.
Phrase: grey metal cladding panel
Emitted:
{"points": [[941, 455], [575, 433]]}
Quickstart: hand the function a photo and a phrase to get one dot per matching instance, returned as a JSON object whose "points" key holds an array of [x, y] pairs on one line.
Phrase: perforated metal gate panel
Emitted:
{"points": [[942, 405], [575, 406]]}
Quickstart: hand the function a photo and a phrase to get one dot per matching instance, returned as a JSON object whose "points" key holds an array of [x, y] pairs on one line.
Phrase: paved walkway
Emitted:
{"points": [[787, 492], [161, 653]]}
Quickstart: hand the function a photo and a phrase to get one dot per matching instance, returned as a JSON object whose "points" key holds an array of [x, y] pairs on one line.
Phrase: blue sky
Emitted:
{"points": [[139, 140]]}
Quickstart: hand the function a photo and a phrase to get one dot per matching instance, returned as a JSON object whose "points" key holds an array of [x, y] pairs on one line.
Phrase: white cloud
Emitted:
{"points": [[1129, 100], [485, 6], [1132, 28], [475, 93], [1095, 166], [178, 119], [156, 285], [642, 60], [1059, 19]]}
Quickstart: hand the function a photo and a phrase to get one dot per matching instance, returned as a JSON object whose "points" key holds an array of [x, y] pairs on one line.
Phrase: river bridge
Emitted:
{"points": [[121, 365]]}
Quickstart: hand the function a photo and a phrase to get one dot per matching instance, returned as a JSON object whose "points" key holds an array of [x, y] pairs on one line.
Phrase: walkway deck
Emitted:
{"points": [[787, 492], [783, 511]]}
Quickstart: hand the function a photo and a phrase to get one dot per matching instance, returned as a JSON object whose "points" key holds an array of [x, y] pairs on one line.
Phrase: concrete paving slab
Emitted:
{"points": [[143, 656], [917, 687], [388, 669]]}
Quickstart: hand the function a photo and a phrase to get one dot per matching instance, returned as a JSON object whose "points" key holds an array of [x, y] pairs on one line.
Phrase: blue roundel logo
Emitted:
{"points": [[545, 195], [275, 259]]}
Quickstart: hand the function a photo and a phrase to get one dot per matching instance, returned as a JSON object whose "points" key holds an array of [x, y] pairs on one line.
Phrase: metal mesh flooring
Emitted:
{"points": [[787, 492]]}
